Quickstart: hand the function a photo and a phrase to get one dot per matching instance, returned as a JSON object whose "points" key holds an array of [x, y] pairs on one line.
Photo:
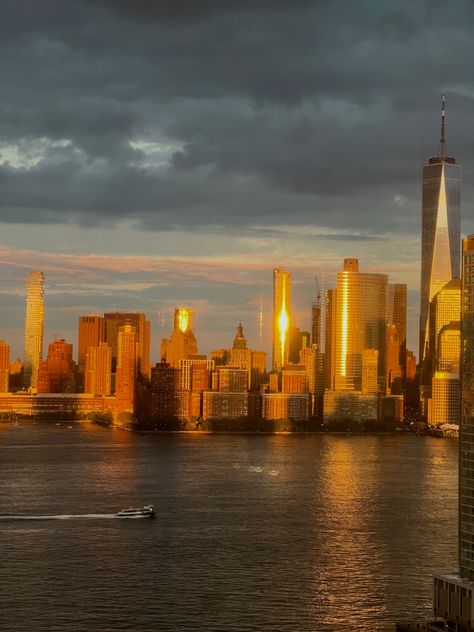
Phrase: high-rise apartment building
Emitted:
{"points": [[4, 366], [113, 322], [164, 390], [360, 324], [98, 369], [440, 229], [127, 342], [466, 436], [91, 333], [57, 374], [453, 592], [281, 318], [34, 326]]}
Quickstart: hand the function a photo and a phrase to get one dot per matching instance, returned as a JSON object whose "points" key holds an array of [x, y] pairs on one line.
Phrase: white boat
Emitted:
{"points": [[148, 511]]}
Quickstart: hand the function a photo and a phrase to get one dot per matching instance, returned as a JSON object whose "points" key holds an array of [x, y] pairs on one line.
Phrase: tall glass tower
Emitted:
{"points": [[33, 329], [281, 318], [440, 229]]}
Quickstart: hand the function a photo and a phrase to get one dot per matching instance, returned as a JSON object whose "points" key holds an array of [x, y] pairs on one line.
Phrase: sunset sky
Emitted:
{"points": [[159, 153]]}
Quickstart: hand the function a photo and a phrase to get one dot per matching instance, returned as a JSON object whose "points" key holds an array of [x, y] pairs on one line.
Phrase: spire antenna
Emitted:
{"points": [[442, 141]]}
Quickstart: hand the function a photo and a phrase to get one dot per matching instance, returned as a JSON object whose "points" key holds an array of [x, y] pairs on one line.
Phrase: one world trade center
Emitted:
{"points": [[440, 229]]}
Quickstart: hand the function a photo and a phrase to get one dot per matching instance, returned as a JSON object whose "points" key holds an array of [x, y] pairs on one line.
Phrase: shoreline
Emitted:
{"points": [[139, 431]]}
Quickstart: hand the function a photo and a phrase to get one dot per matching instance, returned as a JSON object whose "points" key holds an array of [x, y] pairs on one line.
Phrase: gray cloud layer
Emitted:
{"points": [[229, 114]]}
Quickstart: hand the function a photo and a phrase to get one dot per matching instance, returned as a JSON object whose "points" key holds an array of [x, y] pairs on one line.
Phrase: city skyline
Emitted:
{"points": [[198, 188]]}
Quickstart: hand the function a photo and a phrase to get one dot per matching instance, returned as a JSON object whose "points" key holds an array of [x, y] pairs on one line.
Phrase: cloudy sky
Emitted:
{"points": [[156, 153]]}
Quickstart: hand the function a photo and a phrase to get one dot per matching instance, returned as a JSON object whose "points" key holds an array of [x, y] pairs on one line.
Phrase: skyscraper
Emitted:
{"points": [[182, 345], [34, 325], [126, 368], [98, 369], [113, 322], [453, 592], [466, 437], [4, 366], [397, 315], [91, 333], [440, 229], [281, 318], [360, 324]]}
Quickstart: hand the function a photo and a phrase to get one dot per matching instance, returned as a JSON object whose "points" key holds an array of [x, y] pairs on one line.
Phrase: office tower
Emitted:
{"points": [[113, 322], [127, 343], [448, 357], [369, 382], [312, 359], [440, 229], [33, 329], [445, 404], [4, 366], [298, 340], [393, 368], [164, 390], [98, 369], [57, 374], [466, 437], [329, 369], [445, 309], [397, 316], [453, 592], [316, 321], [182, 345], [360, 324], [258, 369], [281, 318], [90, 334]]}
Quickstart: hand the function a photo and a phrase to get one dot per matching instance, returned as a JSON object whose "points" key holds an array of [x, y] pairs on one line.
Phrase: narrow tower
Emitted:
{"points": [[440, 229], [33, 329], [281, 318]]}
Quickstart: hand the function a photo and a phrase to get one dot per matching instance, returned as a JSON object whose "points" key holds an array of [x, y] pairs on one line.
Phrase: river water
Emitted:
{"points": [[279, 533]]}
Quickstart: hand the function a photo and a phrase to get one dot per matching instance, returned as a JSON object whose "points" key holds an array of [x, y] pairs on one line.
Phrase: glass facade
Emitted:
{"points": [[281, 318], [466, 434], [360, 324], [34, 326], [440, 234]]}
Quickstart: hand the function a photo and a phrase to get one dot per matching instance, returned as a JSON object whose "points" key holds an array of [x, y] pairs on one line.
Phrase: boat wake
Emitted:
{"points": [[56, 516]]}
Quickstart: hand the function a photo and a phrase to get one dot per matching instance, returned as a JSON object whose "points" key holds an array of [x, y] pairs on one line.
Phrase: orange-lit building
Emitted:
{"points": [[98, 369], [285, 406], [255, 362], [91, 333], [281, 318], [4, 366], [34, 326], [57, 374], [126, 368], [113, 322], [182, 345], [295, 380]]}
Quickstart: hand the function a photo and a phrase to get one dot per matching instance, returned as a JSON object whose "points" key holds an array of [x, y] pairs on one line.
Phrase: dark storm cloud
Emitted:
{"points": [[229, 114]]}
